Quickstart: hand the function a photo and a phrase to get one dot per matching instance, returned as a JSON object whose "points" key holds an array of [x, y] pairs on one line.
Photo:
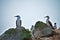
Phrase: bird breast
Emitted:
{"points": [[18, 22]]}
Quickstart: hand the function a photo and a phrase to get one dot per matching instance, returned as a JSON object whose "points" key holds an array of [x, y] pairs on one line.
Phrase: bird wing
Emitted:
{"points": [[20, 22], [16, 23], [51, 25]]}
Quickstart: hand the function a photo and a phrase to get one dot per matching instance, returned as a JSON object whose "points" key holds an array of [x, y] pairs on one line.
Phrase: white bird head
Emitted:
{"points": [[47, 17], [55, 23]]}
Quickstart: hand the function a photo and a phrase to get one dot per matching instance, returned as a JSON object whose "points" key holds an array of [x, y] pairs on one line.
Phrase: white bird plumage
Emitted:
{"points": [[18, 22], [55, 26], [48, 22]]}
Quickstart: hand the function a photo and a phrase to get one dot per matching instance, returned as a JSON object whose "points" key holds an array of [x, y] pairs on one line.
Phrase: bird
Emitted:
{"points": [[32, 29], [18, 22], [48, 22], [55, 26]]}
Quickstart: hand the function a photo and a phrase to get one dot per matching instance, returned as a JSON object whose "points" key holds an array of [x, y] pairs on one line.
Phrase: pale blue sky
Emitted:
{"points": [[30, 12]]}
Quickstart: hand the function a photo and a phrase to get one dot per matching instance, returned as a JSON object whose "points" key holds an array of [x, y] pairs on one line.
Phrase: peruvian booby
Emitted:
{"points": [[49, 22], [18, 22], [55, 26], [32, 29]]}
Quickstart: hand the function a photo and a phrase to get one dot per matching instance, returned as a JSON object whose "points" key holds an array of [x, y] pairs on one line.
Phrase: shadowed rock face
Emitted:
{"points": [[42, 30], [16, 34], [11, 34]]}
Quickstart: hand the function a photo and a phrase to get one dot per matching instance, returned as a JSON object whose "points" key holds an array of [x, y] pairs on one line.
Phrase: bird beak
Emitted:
{"points": [[15, 16], [45, 17]]}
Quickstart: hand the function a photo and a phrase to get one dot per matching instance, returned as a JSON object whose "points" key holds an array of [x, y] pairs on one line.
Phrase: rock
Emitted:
{"points": [[16, 34], [11, 34], [42, 30], [57, 37], [46, 32]]}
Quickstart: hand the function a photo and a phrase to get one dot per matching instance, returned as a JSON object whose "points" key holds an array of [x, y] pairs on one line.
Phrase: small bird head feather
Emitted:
{"points": [[17, 16], [47, 17]]}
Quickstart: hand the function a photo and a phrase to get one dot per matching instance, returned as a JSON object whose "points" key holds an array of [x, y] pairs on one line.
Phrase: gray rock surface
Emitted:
{"points": [[42, 30], [17, 35]]}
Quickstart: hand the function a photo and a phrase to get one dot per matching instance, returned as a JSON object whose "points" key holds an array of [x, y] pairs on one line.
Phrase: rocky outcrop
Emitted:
{"points": [[41, 32], [16, 34], [44, 32]]}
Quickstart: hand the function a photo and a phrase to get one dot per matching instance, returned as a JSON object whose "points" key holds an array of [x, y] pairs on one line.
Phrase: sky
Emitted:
{"points": [[30, 11]]}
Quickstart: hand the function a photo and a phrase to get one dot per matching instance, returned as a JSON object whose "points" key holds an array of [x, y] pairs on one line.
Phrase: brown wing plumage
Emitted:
{"points": [[20, 22], [51, 24]]}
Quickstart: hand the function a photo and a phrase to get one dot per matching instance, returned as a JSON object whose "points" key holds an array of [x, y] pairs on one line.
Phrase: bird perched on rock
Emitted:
{"points": [[55, 26], [32, 29], [18, 28], [18, 22], [49, 22]]}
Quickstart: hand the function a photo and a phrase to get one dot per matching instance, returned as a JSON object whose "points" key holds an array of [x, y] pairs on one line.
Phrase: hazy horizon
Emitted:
{"points": [[30, 12]]}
